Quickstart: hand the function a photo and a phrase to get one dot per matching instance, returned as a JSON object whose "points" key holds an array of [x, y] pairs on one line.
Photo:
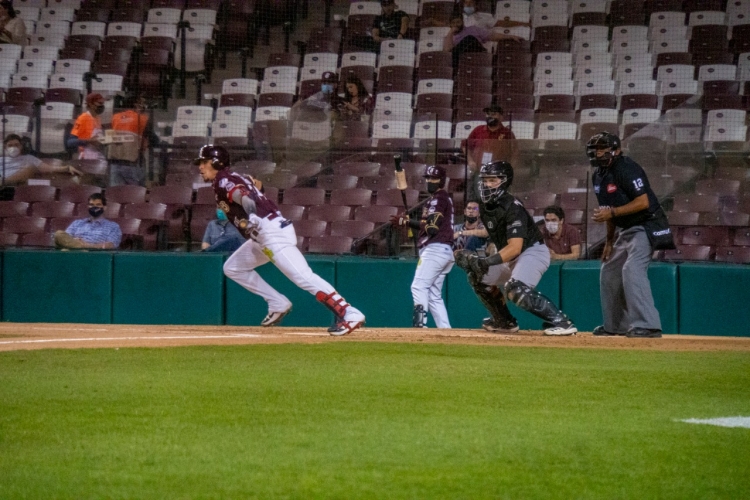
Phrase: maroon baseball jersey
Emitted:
{"points": [[225, 184], [441, 203]]}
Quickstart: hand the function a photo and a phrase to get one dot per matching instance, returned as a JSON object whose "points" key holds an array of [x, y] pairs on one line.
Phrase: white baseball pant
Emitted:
{"points": [[279, 246], [435, 262]]}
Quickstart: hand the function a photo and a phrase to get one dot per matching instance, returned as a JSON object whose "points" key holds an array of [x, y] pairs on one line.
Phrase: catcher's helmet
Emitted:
{"points": [[218, 155], [602, 141], [435, 172], [500, 169]]}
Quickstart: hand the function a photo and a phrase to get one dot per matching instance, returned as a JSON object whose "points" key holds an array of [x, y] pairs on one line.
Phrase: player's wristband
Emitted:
{"points": [[495, 259]]}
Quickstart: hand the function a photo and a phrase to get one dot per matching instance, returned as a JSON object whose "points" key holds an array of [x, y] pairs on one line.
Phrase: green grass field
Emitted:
{"points": [[372, 420]]}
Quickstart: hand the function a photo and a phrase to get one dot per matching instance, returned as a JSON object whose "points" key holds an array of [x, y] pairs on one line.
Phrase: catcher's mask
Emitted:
{"points": [[501, 170], [218, 156], [609, 143]]}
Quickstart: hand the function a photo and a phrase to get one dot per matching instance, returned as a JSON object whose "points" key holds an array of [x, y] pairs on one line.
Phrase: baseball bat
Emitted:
{"points": [[402, 186]]}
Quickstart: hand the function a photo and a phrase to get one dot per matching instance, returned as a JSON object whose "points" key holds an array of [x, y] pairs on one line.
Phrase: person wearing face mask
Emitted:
{"points": [[87, 132], [322, 105], [93, 232], [435, 242], [471, 233], [220, 235], [626, 202], [18, 166], [563, 240], [461, 39], [512, 273], [126, 158], [12, 28]]}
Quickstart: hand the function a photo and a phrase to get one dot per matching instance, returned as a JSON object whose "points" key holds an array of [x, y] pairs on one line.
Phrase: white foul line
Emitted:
{"points": [[100, 339]]}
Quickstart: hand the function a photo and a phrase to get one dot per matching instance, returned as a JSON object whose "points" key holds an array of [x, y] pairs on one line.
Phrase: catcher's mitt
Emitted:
{"points": [[471, 263]]}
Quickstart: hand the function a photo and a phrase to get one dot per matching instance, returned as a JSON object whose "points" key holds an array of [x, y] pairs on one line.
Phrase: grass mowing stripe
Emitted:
{"points": [[371, 420]]}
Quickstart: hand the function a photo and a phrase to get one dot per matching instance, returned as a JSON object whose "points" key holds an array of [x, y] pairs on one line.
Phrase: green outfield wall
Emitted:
{"points": [[190, 289]]}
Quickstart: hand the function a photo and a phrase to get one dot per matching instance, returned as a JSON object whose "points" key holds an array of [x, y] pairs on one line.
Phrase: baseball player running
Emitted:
{"points": [[269, 237], [435, 244], [520, 262]]}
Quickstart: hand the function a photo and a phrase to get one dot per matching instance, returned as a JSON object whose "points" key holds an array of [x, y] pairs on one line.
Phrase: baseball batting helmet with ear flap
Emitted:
{"points": [[218, 155], [602, 141], [435, 172], [501, 169]]}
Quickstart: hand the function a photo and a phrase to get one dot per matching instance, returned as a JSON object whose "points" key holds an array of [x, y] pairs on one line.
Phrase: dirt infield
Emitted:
{"points": [[24, 336]]}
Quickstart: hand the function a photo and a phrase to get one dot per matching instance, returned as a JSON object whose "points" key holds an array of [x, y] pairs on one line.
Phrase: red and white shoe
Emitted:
{"points": [[351, 322]]}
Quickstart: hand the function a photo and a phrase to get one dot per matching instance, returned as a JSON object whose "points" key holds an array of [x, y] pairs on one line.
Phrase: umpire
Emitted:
{"points": [[521, 260], [626, 202]]}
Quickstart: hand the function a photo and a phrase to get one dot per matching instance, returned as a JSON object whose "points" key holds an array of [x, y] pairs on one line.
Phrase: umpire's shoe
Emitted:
{"points": [[493, 326], [643, 333], [599, 331]]}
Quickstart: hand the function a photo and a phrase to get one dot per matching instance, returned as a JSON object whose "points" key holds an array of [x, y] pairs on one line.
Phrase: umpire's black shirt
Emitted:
{"points": [[619, 184], [508, 219]]}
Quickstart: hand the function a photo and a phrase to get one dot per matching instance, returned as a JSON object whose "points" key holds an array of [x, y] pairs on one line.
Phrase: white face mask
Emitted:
{"points": [[552, 227], [13, 151], [468, 10]]}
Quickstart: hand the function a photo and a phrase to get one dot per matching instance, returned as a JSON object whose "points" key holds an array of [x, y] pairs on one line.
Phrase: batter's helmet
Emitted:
{"points": [[602, 141], [218, 155], [435, 172], [500, 169]]}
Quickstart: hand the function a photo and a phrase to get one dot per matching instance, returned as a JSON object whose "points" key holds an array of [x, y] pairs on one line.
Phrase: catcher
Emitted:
{"points": [[522, 258]]}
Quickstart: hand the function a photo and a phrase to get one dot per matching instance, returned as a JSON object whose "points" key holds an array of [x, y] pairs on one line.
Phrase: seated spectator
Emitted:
{"points": [[392, 23], [221, 235], [94, 232], [563, 240], [462, 39], [357, 101], [12, 28], [321, 106], [470, 234], [473, 17], [17, 166]]}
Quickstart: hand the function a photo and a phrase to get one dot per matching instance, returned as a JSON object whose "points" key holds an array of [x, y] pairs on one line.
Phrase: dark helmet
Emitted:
{"points": [[435, 172], [606, 141], [218, 155], [501, 169]]}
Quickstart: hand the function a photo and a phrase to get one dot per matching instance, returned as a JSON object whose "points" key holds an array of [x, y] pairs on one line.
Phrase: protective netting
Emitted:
{"points": [[316, 98]]}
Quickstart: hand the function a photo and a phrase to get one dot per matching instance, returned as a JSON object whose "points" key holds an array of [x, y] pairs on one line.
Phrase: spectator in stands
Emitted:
{"points": [[93, 232], [12, 28], [126, 158], [17, 165], [87, 133], [470, 234], [563, 240], [357, 101], [392, 23], [221, 236], [473, 17], [462, 39], [321, 106]]}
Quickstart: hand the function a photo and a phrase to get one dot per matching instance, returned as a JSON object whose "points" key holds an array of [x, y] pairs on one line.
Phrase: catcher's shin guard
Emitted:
{"points": [[534, 302], [419, 318], [494, 301]]}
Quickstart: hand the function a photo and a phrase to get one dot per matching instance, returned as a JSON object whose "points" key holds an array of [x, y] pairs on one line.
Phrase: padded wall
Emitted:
{"points": [[57, 287], [465, 310], [380, 288], [245, 308], [714, 299], [168, 288], [581, 300]]}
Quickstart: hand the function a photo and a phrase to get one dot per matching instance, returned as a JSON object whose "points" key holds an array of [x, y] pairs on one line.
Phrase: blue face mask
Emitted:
{"points": [[468, 10], [327, 88], [220, 214]]}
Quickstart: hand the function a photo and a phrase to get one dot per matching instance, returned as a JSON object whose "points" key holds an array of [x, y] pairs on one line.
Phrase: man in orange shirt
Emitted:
{"points": [[87, 130], [126, 159]]}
